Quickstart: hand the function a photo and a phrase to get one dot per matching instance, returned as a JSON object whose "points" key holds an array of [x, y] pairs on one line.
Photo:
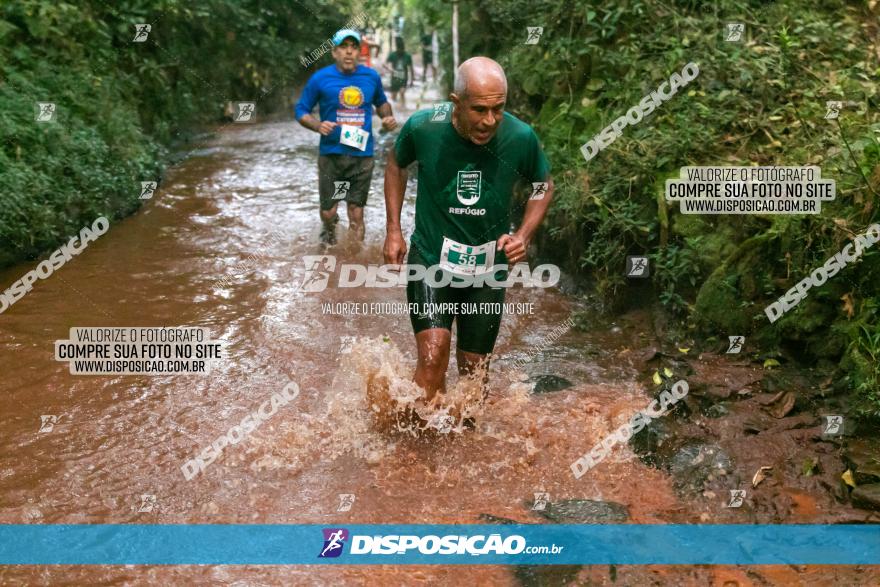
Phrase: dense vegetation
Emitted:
{"points": [[760, 101], [121, 104]]}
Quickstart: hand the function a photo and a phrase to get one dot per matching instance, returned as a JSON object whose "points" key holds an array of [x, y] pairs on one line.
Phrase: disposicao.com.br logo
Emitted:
{"points": [[452, 544], [334, 540], [320, 268]]}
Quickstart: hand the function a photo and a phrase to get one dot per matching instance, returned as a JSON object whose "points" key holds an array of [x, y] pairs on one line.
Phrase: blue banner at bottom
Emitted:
{"points": [[298, 544]]}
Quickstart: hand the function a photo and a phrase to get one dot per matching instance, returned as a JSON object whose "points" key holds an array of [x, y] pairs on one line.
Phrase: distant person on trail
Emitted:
{"points": [[402, 73], [469, 164], [428, 57], [346, 92], [366, 50]]}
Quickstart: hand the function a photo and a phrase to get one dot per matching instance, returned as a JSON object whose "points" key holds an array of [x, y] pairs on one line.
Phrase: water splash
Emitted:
{"points": [[398, 404]]}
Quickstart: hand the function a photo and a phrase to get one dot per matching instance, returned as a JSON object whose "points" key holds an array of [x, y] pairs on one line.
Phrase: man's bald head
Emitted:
{"points": [[480, 75], [479, 97]]}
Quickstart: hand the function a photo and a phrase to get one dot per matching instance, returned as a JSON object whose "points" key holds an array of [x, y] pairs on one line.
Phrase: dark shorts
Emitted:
{"points": [[476, 331], [398, 83], [343, 178]]}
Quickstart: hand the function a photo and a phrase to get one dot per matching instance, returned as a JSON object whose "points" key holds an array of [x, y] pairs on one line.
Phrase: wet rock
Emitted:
{"points": [[722, 380], [650, 440], [490, 519], [754, 425], [697, 389], [536, 575], [548, 383], [585, 511], [782, 404], [694, 463], [799, 422], [862, 457], [758, 423], [718, 391], [867, 496], [770, 384], [715, 410], [648, 354], [545, 575]]}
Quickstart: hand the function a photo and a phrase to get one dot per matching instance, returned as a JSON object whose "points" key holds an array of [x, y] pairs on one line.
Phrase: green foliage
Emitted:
{"points": [[760, 101], [862, 359], [674, 272], [119, 103]]}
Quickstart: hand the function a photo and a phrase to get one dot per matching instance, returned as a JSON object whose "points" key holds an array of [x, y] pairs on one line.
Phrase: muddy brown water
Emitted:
{"points": [[118, 438]]}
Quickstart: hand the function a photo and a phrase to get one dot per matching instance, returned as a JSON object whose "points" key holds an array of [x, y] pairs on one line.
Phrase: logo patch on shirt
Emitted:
{"points": [[468, 187], [351, 97]]}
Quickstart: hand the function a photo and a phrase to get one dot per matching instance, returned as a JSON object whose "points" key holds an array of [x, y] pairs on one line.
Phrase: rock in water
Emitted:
{"points": [[650, 441], [536, 575], [715, 410], [548, 383], [863, 458], [571, 511], [867, 496], [585, 511], [545, 575], [693, 463], [490, 519]]}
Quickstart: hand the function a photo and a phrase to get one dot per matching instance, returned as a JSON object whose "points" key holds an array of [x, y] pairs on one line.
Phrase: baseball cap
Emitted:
{"points": [[343, 34]]}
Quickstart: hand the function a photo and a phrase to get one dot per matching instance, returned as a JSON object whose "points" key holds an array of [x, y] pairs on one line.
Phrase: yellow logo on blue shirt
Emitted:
{"points": [[351, 97]]}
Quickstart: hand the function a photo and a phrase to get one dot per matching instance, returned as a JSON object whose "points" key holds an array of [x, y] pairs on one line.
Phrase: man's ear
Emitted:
{"points": [[455, 100]]}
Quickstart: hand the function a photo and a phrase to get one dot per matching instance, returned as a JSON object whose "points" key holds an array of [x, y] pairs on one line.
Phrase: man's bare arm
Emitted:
{"points": [[516, 245], [310, 122], [387, 116], [534, 214], [395, 187], [384, 110]]}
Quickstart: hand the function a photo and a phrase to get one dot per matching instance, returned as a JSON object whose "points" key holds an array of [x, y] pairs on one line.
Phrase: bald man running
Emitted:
{"points": [[469, 165]]}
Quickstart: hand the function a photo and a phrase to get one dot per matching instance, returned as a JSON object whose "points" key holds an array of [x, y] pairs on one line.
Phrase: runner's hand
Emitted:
{"points": [[395, 248], [514, 248], [326, 127], [388, 123]]}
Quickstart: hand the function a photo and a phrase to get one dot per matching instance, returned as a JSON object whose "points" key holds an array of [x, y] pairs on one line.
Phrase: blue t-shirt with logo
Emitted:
{"points": [[344, 98]]}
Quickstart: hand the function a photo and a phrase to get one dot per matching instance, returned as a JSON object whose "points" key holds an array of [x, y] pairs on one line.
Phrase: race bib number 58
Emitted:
{"points": [[462, 259]]}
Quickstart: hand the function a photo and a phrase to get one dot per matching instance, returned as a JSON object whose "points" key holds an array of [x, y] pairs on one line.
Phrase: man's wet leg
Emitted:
{"points": [[433, 347], [356, 221], [474, 365], [329, 218], [478, 334]]}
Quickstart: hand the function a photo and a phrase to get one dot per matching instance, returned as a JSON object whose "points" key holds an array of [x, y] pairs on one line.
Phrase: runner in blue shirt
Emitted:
{"points": [[346, 93]]}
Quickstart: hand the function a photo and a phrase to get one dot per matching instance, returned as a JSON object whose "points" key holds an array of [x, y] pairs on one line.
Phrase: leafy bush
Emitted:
{"points": [[756, 102], [119, 103]]}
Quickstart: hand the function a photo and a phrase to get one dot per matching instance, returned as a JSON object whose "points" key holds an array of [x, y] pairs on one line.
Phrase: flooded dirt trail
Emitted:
{"points": [[204, 252]]}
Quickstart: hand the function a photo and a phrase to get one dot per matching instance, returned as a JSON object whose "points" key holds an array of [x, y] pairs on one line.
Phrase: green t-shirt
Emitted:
{"points": [[400, 62], [465, 190]]}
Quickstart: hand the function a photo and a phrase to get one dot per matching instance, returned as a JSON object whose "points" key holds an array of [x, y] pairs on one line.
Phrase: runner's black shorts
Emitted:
{"points": [[344, 178], [476, 331], [399, 83]]}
